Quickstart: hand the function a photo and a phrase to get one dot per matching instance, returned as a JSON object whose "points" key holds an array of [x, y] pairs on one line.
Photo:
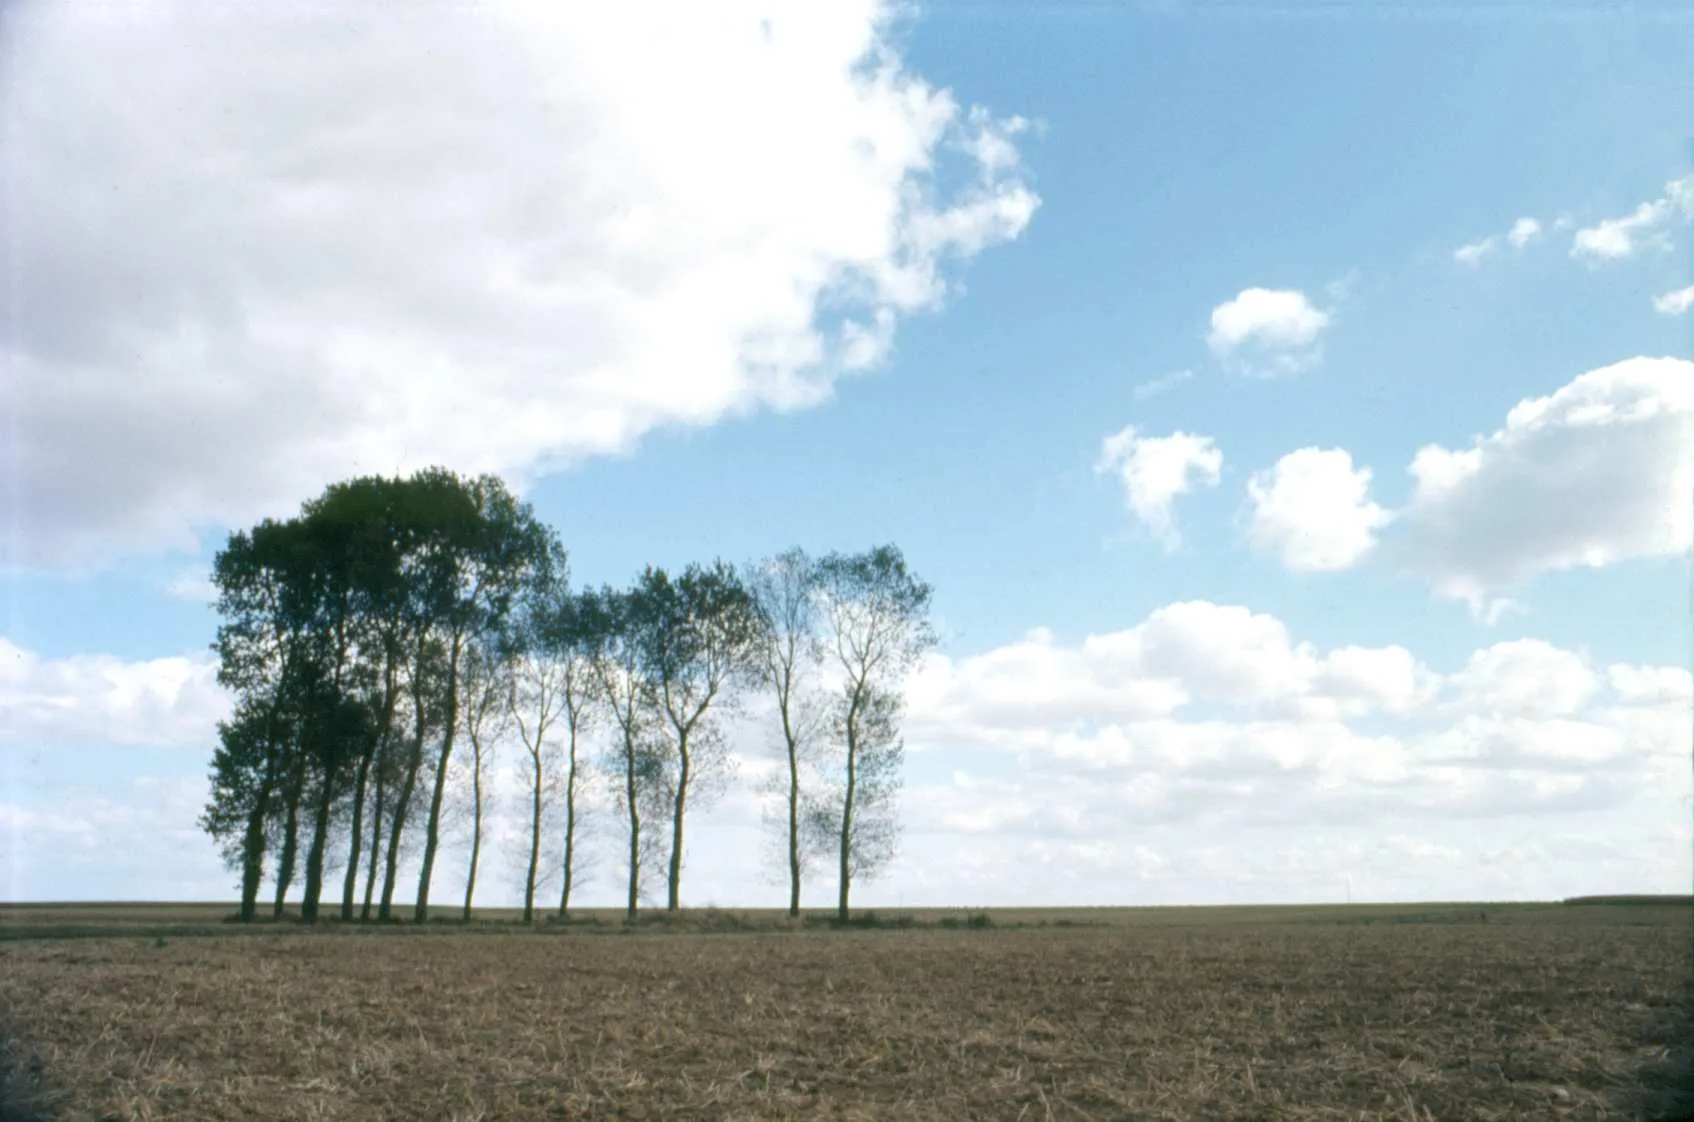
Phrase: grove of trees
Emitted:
{"points": [[383, 642]]}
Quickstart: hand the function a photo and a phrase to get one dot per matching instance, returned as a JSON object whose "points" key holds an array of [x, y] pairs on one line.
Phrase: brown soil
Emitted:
{"points": [[1311, 1020]]}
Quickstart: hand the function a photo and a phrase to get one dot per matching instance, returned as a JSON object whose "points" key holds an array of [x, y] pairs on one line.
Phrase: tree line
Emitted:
{"points": [[395, 622]]}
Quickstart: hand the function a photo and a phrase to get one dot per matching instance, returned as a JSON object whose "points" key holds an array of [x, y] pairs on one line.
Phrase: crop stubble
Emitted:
{"points": [[1300, 1022]]}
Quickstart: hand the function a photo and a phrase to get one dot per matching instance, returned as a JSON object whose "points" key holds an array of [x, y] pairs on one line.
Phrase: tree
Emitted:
{"points": [[878, 615], [543, 672], [244, 781], [488, 684], [701, 632], [570, 640], [787, 653], [611, 628]]}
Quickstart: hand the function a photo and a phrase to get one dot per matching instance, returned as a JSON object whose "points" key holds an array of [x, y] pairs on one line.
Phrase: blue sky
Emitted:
{"points": [[251, 310]]}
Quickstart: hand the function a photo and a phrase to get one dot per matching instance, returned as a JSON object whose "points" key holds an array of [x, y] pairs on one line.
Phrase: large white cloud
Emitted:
{"points": [[262, 247], [1597, 472], [1156, 470], [1204, 753], [1646, 227], [97, 699], [1267, 331], [1313, 509]]}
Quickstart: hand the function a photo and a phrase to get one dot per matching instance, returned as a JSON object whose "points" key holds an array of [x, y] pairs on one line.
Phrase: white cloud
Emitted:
{"points": [[1674, 303], [1156, 470], [1268, 331], [1646, 227], [1474, 253], [97, 699], [1595, 473], [1162, 384], [1313, 509], [1523, 231], [271, 247], [1526, 678], [1204, 753]]}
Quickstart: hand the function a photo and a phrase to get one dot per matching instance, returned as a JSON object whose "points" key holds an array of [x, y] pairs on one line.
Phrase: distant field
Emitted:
{"points": [[60, 920], [1426, 1012]]}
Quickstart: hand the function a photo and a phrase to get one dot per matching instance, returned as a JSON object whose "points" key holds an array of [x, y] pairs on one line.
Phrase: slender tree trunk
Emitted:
{"points": [[315, 853], [253, 853], [841, 912], [534, 830], [290, 839], [570, 821], [379, 766], [432, 830], [793, 810], [253, 843], [679, 807], [350, 884], [402, 805], [476, 829], [634, 828], [377, 797]]}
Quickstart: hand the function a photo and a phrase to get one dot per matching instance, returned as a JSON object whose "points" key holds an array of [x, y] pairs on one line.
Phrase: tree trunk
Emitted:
{"points": [[634, 829], [315, 853], [476, 831], [841, 912], [679, 808], [253, 844], [253, 853], [570, 821], [402, 804], [432, 830], [377, 794], [290, 839], [534, 830], [793, 813], [350, 885]]}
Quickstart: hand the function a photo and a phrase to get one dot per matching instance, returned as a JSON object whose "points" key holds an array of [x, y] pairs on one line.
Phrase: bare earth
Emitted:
{"points": [[1540, 1013]]}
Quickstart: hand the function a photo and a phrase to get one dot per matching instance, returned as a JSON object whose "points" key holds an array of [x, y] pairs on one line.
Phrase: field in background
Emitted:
{"points": [[1430, 1011]]}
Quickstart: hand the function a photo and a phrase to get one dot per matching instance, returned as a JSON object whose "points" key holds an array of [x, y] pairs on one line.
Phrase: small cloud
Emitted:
{"points": [[1616, 239], [1674, 303], [1523, 231], [1161, 385], [1476, 252], [1156, 470], [1268, 331], [1313, 509]]}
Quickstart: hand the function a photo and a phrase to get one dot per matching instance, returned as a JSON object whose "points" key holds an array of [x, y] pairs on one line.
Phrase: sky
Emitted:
{"points": [[1292, 406]]}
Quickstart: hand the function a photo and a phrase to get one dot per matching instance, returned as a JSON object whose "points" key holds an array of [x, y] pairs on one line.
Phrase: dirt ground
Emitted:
{"points": [[1340, 1015]]}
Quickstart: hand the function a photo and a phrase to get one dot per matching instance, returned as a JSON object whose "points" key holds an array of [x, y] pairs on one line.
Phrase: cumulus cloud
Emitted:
{"points": [[1675, 302], [1268, 331], [1523, 231], [1156, 470], [1313, 510], [1595, 473], [1204, 741], [1646, 227], [102, 700], [269, 247]]}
